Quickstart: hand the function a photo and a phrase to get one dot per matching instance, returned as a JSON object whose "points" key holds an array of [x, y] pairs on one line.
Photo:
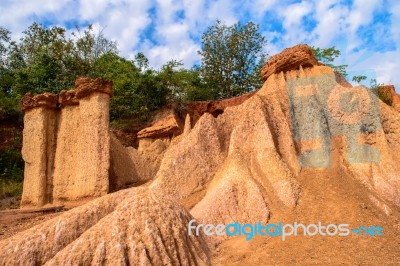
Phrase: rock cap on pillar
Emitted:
{"points": [[47, 100], [289, 59], [85, 86], [67, 97]]}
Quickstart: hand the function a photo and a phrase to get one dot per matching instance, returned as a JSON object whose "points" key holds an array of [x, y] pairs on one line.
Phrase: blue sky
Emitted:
{"points": [[366, 32]]}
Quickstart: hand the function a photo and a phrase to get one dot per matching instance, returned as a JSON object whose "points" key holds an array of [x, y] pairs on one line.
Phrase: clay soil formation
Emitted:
{"points": [[307, 147]]}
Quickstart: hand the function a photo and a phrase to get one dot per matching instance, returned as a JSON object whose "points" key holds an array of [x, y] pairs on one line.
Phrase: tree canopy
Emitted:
{"points": [[232, 57], [45, 59]]}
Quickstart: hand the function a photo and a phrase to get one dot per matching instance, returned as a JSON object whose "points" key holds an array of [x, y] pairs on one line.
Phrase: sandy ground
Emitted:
{"points": [[13, 220], [12, 224], [326, 197], [330, 198]]}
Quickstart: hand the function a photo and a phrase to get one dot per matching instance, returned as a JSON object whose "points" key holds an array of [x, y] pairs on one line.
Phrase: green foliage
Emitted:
{"points": [[142, 61], [232, 57], [358, 79], [136, 90], [44, 59], [328, 56], [10, 188], [4, 42], [183, 84], [9, 107], [385, 97], [374, 86], [123, 73], [11, 165]]}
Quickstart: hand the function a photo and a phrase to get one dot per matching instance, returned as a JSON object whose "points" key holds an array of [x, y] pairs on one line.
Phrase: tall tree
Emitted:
{"points": [[232, 57], [4, 42]]}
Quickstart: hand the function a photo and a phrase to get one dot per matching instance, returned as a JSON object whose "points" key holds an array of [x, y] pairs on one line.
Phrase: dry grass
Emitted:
{"points": [[10, 189]]}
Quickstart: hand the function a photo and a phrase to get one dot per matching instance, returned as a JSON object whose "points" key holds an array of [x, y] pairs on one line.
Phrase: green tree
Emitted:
{"points": [[183, 84], [232, 57], [328, 56], [44, 59], [4, 42], [142, 61], [136, 90], [9, 108]]}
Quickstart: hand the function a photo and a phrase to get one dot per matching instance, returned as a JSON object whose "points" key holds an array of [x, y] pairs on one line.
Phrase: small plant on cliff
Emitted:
{"points": [[328, 56], [374, 85], [385, 97]]}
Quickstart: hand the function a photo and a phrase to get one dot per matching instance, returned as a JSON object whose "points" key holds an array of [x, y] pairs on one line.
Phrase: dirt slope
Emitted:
{"points": [[329, 197]]}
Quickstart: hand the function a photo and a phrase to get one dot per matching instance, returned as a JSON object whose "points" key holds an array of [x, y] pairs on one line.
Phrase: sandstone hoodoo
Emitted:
{"points": [[169, 125], [306, 147], [294, 122], [66, 145], [165, 126], [39, 140], [289, 59]]}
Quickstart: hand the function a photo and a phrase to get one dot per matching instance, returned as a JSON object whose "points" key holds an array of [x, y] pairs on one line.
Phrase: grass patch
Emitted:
{"points": [[10, 188]]}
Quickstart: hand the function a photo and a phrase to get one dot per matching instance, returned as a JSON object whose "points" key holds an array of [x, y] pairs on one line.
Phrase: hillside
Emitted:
{"points": [[307, 147]]}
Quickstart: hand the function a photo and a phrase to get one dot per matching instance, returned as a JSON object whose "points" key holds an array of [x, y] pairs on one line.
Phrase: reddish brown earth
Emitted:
{"points": [[393, 97], [197, 109], [11, 224]]}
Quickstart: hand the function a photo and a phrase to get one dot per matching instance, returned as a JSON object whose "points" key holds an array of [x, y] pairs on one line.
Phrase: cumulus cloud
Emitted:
{"points": [[330, 17], [293, 21], [18, 15], [172, 29]]}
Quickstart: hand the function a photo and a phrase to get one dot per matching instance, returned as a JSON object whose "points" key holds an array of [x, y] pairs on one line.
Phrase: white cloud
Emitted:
{"points": [[18, 15], [223, 10], [176, 26], [394, 8], [259, 7], [362, 13], [293, 17], [294, 14], [330, 17], [91, 9], [172, 35], [122, 21]]}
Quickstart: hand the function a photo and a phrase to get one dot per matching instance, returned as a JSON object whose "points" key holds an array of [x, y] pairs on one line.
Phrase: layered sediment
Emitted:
{"points": [[66, 145]]}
